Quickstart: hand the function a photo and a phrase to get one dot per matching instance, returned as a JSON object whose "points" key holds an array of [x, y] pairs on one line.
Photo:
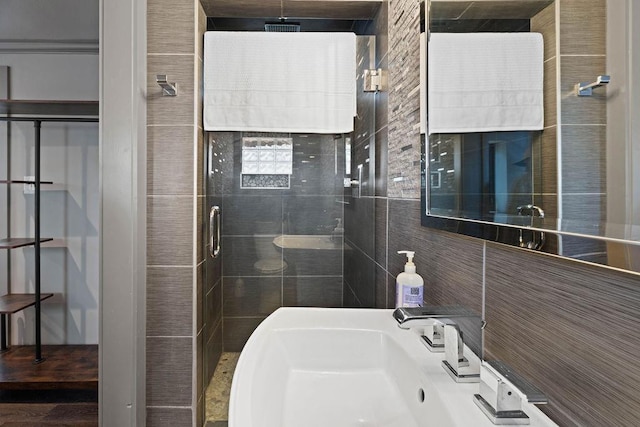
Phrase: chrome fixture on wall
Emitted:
{"points": [[501, 394], [168, 89], [586, 89]]}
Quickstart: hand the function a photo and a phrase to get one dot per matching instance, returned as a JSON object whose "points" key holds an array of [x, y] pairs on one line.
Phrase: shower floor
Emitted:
{"points": [[219, 389]]}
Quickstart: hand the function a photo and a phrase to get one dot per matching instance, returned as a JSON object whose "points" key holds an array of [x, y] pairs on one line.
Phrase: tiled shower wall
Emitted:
{"points": [[253, 218], [176, 324], [570, 328]]}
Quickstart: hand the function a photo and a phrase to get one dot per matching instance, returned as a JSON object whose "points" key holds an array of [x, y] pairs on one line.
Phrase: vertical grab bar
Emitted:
{"points": [[214, 231]]}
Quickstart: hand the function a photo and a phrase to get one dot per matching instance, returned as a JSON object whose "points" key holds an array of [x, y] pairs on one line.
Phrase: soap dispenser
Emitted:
{"points": [[409, 285]]}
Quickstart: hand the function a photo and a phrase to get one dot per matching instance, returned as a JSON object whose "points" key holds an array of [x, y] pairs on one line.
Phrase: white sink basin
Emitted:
{"points": [[310, 367]]}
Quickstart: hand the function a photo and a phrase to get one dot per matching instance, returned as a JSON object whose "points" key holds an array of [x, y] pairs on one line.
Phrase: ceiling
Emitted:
{"points": [[327, 9]]}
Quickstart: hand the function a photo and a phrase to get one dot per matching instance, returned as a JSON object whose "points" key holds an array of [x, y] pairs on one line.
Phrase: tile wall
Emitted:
{"points": [[569, 327], [258, 277], [178, 280]]}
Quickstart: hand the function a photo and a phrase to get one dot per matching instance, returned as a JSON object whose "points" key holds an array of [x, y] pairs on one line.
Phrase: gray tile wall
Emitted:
{"points": [[177, 284], [252, 218], [369, 151], [582, 127], [570, 328]]}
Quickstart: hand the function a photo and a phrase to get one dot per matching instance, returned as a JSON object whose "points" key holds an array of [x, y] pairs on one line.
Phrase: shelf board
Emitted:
{"points": [[12, 303], [49, 107], [13, 243], [21, 181], [65, 367]]}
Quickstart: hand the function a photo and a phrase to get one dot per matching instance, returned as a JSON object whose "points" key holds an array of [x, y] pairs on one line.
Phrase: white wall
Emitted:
{"points": [[51, 49]]}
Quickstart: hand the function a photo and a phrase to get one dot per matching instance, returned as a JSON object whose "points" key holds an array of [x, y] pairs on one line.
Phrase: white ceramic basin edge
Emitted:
{"points": [[321, 367]]}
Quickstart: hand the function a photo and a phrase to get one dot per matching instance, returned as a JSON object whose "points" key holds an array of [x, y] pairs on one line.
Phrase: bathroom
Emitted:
{"points": [[185, 308]]}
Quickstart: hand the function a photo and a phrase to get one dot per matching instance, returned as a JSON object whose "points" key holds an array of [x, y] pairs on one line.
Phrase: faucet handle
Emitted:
{"points": [[502, 391], [456, 365]]}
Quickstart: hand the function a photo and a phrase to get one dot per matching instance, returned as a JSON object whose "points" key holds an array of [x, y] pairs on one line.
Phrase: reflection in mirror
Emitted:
{"points": [[578, 177], [483, 176]]}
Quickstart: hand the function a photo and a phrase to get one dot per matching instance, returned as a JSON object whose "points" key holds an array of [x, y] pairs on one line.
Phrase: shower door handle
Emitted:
{"points": [[214, 231]]}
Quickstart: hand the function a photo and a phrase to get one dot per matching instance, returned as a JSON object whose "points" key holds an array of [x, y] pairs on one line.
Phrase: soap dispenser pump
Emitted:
{"points": [[409, 285]]}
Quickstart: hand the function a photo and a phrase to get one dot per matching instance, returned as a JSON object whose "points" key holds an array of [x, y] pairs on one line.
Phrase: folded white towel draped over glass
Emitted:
{"points": [[485, 82], [279, 82]]}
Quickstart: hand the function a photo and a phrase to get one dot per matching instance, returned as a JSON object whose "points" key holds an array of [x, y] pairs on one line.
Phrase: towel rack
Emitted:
{"points": [[168, 89], [586, 89]]}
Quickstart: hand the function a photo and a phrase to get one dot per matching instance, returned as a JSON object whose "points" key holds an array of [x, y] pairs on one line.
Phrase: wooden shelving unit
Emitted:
{"points": [[37, 112]]}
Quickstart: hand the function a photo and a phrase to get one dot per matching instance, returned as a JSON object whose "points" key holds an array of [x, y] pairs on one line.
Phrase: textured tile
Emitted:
{"points": [[317, 174], [236, 331], [550, 101], [213, 271], [584, 163], [360, 224], [200, 385], [584, 213], [249, 215], [450, 264], [201, 163], [312, 291], [169, 371], [544, 22], [582, 109], [382, 161], [170, 160], [580, 32], [202, 229], [349, 298], [310, 262], [200, 297], [171, 110], [170, 26], [549, 156], [213, 301], [251, 296], [170, 230], [551, 319], [549, 204], [583, 248], [381, 225], [360, 275], [169, 301], [169, 417], [381, 30], [404, 101], [202, 28], [382, 288], [311, 214], [245, 256]]}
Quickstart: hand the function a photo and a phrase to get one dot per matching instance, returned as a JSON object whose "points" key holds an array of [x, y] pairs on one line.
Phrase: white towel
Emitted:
{"points": [[279, 82], [485, 82]]}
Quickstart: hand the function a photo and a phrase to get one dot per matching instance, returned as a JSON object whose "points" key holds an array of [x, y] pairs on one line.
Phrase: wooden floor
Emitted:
{"points": [[61, 391], [49, 414], [65, 367]]}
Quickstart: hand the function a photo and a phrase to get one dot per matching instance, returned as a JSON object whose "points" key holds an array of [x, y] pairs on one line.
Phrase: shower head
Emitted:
{"points": [[282, 27]]}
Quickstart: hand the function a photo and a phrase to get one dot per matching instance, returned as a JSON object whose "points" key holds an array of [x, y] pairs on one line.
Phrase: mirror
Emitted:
{"points": [[573, 188]]}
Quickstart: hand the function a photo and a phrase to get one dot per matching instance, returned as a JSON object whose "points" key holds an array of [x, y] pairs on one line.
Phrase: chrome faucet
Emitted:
{"points": [[502, 393], [444, 334]]}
